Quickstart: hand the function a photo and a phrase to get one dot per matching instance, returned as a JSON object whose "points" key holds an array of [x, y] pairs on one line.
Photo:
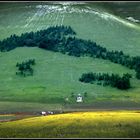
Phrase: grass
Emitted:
{"points": [[55, 78], [25, 17], [100, 124], [56, 75]]}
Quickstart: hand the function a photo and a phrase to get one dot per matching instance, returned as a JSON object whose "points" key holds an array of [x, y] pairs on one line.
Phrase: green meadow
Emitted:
{"points": [[56, 75], [105, 112], [90, 21]]}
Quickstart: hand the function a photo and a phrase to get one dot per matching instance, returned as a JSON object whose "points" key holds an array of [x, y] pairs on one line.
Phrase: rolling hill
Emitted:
{"points": [[56, 75], [55, 82]]}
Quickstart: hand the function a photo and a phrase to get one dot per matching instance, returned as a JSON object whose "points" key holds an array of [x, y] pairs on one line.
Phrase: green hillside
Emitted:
{"points": [[56, 75], [53, 52], [88, 20]]}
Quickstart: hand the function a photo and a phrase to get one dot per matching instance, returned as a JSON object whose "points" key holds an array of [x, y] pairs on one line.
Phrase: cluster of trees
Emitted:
{"points": [[105, 79], [61, 39], [135, 62], [50, 37], [25, 68]]}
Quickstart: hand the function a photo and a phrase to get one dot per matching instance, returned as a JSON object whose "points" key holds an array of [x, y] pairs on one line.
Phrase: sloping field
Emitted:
{"points": [[101, 124], [88, 20], [56, 75]]}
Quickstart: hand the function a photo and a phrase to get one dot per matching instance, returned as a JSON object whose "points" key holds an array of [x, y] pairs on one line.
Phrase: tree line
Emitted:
{"points": [[24, 68], [51, 36], [61, 39], [105, 79]]}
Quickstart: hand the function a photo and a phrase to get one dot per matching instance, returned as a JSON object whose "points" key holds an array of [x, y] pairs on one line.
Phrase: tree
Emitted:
{"points": [[25, 67], [138, 75], [72, 94], [113, 80], [85, 94]]}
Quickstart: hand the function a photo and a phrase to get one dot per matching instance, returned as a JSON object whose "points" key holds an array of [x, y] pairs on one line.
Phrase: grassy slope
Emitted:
{"points": [[56, 77], [112, 34], [108, 124]]}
